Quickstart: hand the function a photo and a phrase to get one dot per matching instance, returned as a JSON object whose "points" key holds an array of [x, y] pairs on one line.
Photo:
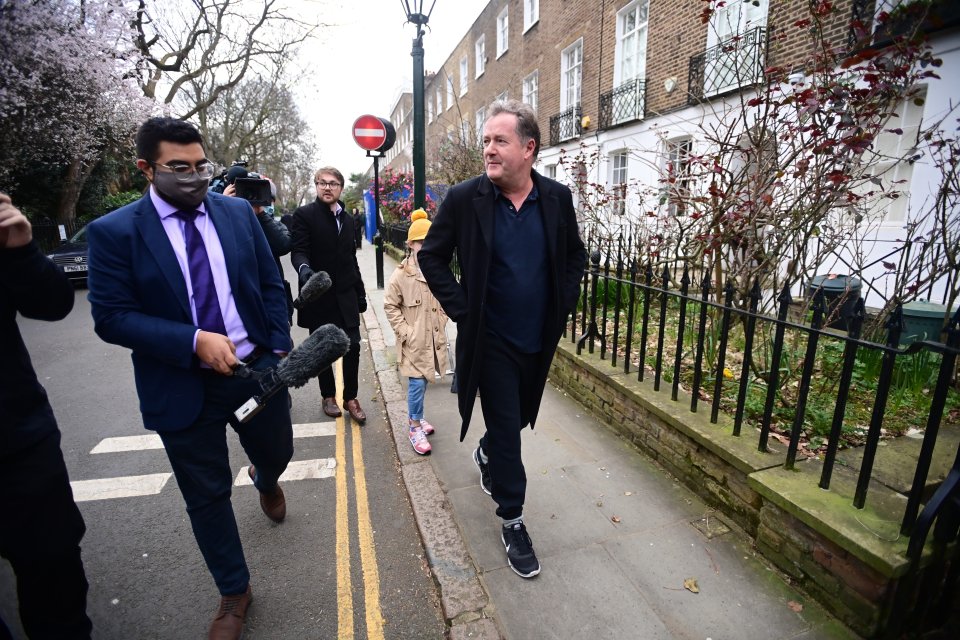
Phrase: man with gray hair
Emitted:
{"points": [[521, 261]]}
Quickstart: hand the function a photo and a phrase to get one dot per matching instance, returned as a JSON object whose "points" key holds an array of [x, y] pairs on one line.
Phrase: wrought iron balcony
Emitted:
{"points": [[733, 64], [565, 125], [623, 104], [927, 16]]}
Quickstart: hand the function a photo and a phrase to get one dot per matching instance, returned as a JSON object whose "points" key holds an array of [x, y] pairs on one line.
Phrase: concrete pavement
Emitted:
{"points": [[625, 550]]}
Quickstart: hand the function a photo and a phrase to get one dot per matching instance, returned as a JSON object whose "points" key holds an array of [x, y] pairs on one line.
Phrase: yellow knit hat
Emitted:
{"points": [[419, 225]]}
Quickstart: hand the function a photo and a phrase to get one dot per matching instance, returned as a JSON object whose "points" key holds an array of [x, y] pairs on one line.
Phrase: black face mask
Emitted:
{"points": [[183, 194]]}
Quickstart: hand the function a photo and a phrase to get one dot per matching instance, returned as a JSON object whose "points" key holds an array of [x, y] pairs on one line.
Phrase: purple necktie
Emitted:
{"points": [[205, 298]]}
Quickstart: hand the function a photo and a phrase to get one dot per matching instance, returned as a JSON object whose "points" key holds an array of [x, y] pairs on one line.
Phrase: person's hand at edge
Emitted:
{"points": [[362, 304], [15, 229], [305, 273]]}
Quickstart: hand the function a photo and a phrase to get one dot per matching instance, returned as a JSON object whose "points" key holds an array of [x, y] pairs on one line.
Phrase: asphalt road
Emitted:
{"points": [[325, 572]]}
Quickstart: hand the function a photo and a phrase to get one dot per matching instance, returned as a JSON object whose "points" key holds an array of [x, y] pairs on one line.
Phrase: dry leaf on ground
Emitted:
{"points": [[690, 584], [796, 607]]}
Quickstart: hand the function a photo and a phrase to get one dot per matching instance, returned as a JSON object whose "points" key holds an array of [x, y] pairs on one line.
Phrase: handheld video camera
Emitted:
{"points": [[255, 189], [250, 186]]}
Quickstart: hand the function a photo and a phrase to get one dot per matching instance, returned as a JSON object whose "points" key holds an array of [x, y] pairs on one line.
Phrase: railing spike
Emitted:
{"points": [[785, 297]]}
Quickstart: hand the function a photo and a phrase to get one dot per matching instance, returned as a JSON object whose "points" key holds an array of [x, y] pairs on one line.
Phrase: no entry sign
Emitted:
{"points": [[373, 133]]}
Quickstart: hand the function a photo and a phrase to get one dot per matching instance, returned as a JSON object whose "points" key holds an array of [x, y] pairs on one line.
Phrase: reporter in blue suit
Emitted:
{"points": [[186, 281]]}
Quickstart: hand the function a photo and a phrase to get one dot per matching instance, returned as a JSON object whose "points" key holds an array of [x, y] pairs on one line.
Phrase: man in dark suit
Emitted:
{"points": [[322, 233], [358, 227], [521, 260], [42, 527], [186, 280]]}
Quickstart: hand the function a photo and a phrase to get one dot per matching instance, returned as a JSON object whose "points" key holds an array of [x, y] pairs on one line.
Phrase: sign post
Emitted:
{"points": [[376, 136]]}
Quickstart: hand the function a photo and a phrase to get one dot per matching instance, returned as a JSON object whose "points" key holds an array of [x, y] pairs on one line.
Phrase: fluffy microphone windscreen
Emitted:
{"points": [[321, 349], [315, 287]]}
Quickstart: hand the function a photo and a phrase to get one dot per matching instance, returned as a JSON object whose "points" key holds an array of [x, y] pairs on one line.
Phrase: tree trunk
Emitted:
{"points": [[73, 181]]}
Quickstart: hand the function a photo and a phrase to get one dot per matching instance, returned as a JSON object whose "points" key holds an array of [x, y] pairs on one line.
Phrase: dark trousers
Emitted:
{"points": [[40, 537], [201, 464], [502, 376], [351, 369]]}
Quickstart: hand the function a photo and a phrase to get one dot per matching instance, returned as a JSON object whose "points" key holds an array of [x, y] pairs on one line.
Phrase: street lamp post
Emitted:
{"points": [[415, 15]]}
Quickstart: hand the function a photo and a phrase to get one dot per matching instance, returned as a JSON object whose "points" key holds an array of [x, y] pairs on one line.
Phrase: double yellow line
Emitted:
{"points": [[368, 554]]}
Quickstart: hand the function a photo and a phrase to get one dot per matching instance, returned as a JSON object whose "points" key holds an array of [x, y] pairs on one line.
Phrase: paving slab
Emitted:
{"points": [[587, 596], [615, 534]]}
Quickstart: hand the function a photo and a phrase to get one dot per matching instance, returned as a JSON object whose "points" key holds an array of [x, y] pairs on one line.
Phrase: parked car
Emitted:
{"points": [[71, 257]]}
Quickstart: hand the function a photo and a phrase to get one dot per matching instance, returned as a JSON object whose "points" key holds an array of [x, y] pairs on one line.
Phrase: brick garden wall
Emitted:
{"points": [[728, 473]]}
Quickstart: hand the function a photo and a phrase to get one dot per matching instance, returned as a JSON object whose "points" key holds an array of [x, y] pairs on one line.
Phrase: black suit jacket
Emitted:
{"points": [[464, 223], [316, 242]]}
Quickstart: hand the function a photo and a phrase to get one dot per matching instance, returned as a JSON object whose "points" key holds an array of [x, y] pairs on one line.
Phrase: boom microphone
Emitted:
{"points": [[313, 288], [319, 351]]}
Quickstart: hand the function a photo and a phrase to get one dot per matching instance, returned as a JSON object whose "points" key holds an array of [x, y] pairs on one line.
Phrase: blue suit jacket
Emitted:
{"points": [[138, 298]]}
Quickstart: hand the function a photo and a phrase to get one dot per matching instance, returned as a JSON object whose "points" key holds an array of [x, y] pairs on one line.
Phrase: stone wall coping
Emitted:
{"points": [[871, 534]]}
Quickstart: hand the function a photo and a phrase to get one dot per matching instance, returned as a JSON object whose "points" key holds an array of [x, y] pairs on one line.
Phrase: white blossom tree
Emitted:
{"points": [[68, 94]]}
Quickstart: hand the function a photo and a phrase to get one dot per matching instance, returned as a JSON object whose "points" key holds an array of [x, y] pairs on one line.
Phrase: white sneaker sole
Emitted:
{"points": [[532, 574], [476, 461]]}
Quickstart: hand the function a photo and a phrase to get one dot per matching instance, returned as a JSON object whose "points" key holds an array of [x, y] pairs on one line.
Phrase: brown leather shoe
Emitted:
{"points": [[228, 623], [274, 505], [353, 407], [330, 407]]}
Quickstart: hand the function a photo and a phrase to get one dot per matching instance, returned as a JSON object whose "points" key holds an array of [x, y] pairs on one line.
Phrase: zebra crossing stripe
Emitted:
{"points": [[298, 470], [150, 441], [120, 487]]}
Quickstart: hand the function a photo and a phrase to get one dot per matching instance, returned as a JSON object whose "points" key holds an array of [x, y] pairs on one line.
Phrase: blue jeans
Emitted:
{"points": [[416, 389]]}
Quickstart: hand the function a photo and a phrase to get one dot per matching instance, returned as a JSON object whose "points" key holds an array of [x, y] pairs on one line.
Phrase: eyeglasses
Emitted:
{"points": [[184, 172], [327, 185]]}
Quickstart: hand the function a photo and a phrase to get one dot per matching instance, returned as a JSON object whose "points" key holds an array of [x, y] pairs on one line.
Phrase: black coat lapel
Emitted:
{"points": [[484, 205]]}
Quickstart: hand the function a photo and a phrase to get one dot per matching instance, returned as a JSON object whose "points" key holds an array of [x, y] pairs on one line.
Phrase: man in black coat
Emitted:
{"points": [[322, 234], [358, 227], [42, 527], [521, 259]]}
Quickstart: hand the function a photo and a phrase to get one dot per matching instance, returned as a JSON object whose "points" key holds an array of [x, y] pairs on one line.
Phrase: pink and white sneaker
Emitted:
{"points": [[418, 439], [426, 426]]}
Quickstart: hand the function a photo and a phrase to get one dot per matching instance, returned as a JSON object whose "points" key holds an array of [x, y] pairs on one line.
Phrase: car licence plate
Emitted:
{"points": [[74, 267]]}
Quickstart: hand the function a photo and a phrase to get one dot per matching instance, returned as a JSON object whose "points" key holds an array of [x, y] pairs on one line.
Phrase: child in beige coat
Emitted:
{"points": [[420, 326]]}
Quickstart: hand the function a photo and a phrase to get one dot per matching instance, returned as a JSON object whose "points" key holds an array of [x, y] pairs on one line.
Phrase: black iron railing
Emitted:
{"points": [[733, 64], [623, 104], [395, 234], [47, 234], [626, 305], [903, 18], [565, 125]]}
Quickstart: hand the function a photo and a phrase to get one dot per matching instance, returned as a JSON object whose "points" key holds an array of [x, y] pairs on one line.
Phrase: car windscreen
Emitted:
{"points": [[80, 236]]}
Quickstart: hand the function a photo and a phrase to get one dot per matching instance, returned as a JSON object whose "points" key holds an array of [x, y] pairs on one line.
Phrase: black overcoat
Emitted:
{"points": [[464, 223], [316, 242]]}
